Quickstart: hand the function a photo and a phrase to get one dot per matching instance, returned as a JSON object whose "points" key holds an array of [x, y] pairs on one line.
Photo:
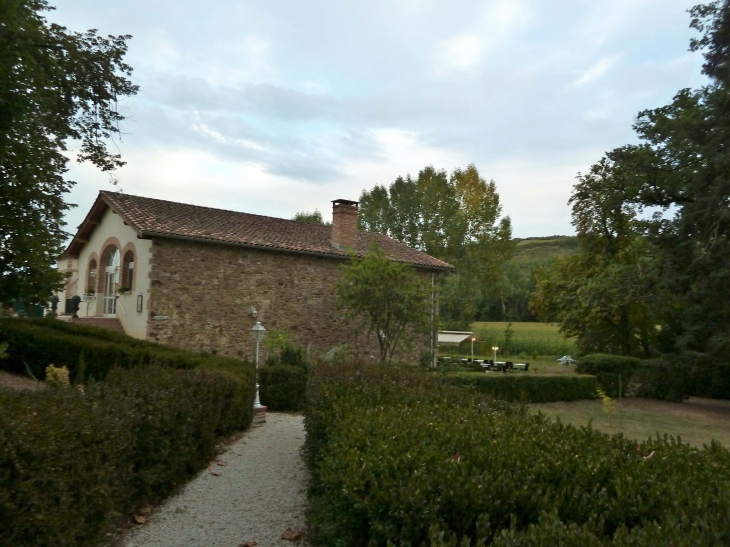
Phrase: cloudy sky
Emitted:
{"points": [[279, 106]]}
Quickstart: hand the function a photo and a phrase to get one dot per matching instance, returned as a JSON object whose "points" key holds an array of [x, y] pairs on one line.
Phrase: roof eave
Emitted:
{"points": [[89, 224], [151, 234]]}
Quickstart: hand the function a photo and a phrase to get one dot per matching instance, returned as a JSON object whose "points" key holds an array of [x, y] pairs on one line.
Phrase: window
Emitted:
{"points": [[128, 270], [91, 277]]}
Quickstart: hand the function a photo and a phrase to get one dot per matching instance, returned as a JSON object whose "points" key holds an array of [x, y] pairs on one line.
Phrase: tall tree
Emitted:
{"points": [[608, 296], [387, 298], [56, 86], [455, 218], [678, 180], [314, 217]]}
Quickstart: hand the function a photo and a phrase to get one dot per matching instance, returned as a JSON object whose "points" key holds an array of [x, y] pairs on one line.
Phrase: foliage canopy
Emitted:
{"points": [[56, 86], [386, 298], [455, 218], [314, 217], [654, 222]]}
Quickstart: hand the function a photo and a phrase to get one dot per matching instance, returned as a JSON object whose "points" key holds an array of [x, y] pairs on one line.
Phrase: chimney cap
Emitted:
{"points": [[345, 202]]}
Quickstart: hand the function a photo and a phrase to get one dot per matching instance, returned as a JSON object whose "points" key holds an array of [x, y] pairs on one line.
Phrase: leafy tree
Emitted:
{"points": [[387, 298], [312, 218], [678, 180], [455, 218], [56, 86], [608, 296]]}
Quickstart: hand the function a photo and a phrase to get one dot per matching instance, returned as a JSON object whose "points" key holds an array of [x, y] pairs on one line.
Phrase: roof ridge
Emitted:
{"points": [[107, 192], [154, 217]]}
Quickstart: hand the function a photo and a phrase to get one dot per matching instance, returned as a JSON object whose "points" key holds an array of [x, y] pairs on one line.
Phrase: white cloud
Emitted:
{"points": [[276, 107], [490, 29], [458, 53], [596, 71]]}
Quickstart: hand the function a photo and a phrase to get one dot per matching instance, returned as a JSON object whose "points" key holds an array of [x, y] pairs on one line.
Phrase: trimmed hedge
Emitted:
{"points": [[606, 368], [88, 352], [399, 459], [667, 378], [528, 388], [710, 376], [283, 387], [283, 381], [73, 463]]}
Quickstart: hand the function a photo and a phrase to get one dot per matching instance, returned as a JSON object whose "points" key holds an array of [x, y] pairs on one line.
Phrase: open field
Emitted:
{"points": [[528, 339], [696, 421], [542, 249]]}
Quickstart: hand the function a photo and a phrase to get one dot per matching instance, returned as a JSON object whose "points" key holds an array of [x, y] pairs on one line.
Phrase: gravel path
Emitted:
{"points": [[259, 494]]}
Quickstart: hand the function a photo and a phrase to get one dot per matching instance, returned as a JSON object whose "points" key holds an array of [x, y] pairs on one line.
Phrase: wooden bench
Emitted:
{"points": [[522, 366]]}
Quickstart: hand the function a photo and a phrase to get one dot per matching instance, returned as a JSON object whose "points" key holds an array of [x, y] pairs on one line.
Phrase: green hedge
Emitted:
{"points": [[666, 378], [710, 375], [87, 352], [73, 463], [528, 388], [607, 368], [396, 459], [283, 387], [283, 381]]}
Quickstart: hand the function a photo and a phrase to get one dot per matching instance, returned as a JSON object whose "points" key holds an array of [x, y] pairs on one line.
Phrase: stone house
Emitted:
{"points": [[198, 278]]}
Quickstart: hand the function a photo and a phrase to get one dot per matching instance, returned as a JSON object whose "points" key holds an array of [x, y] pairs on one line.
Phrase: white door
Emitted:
{"points": [[111, 280]]}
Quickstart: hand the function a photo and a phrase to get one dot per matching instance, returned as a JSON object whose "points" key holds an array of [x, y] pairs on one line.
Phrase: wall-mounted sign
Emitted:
{"points": [[139, 303], [161, 317]]}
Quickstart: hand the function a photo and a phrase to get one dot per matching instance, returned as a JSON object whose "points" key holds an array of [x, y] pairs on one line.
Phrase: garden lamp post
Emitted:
{"points": [[472, 349], [258, 332], [495, 349]]}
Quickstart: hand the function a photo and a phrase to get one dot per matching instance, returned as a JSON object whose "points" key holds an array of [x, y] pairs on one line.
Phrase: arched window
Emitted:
{"points": [[91, 277], [128, 271]]}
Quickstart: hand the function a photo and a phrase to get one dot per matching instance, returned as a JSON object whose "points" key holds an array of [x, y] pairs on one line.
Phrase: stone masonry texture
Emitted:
{"points": [[206, 292]]}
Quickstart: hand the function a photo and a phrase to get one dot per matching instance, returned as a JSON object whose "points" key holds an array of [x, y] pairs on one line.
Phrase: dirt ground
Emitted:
{"points": [[16, 381]]}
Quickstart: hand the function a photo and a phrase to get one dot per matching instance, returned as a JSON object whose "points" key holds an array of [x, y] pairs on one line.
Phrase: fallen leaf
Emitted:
{"points": [[216, 474], [248, 544], [291, 535], [222, 464], [296, 516], [146, 510], [139, 519]]}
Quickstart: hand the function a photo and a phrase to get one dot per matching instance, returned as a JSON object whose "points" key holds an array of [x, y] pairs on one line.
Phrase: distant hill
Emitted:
{"points": [[534, 250], [510, 300]]}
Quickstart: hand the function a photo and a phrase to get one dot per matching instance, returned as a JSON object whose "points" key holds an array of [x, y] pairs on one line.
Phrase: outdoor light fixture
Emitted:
{"points": [[495, 349], [258, 332], [472, 348], [253, 312]]}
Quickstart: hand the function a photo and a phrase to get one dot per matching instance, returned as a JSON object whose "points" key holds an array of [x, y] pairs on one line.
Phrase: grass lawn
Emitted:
{"points": [[527, 338], [547, 330], [696, 421]]}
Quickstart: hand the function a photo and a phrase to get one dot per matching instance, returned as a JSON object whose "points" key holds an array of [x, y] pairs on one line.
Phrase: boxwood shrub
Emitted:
{"points": [[397, 459], [283, 387], [668, 377], [528, 388], [73, 463], [283, 381], [88, 352], [607, 368]]}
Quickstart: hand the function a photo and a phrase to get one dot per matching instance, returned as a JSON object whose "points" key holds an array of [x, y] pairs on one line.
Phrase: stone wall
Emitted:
{"points": [[207, 290]]}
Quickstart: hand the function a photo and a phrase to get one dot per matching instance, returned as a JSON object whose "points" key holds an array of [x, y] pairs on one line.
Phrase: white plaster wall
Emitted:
{"points": [[112, 225]]}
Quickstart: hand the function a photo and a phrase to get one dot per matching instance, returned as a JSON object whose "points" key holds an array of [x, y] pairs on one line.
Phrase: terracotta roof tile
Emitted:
{"points": [[161, 218]]}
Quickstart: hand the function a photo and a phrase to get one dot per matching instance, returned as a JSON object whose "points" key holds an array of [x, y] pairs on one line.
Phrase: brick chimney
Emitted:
{"points": [[344, 223]]}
